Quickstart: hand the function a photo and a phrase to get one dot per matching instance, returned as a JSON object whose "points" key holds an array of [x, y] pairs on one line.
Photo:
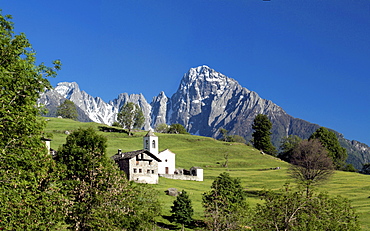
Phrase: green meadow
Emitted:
{"points": [[254, 169]]}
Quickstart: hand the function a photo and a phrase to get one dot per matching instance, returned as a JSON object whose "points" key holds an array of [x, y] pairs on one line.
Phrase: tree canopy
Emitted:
{"points": [[330, 141], [292, 210], [225, 206], [182, 210], [67, 110], [130, 116], [261, 135], [310, 163], [177, 129], [28, 182], [99, 190], [287, 146]]}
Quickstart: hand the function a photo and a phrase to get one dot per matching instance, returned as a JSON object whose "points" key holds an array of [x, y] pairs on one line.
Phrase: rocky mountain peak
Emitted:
{"points": [[66, 89], [205, 101]]}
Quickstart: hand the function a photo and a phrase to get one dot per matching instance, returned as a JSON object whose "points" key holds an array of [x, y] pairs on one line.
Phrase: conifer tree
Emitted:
{"points": [[261, 135], [182, 210]]}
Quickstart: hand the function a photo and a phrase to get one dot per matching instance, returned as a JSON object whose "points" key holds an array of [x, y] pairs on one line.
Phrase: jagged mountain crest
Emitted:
{"points": [[205, 101]]}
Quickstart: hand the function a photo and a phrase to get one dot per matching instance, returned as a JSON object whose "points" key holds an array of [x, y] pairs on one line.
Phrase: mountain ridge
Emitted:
{"points": [[206, 100]]}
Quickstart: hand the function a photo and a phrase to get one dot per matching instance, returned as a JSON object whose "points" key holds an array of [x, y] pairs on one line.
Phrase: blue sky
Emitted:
{"points": [[311, 57]]}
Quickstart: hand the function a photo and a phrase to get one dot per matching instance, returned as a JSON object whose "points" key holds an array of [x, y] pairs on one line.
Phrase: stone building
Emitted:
{"points": [[140, 166]]}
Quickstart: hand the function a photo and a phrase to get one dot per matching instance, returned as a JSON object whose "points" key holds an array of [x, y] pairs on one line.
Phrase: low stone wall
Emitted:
{"points": [[181, 177]]}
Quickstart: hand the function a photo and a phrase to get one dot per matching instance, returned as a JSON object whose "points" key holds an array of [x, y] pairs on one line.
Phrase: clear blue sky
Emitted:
{"points": [[311, 57]]}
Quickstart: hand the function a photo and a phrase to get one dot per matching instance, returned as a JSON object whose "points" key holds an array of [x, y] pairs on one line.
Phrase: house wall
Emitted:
{"points": [[168, 160], [143, 169]]}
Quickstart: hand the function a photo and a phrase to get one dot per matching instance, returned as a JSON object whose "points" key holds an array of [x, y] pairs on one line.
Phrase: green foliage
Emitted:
{"points": [[244, 163], [366, 169], [182, 210], [177, 129], [261, 135], [67, 110], [30, 196], [145, 207], [131, 116], [225, 207], [232, 138], [330, 141], [162, 128], [349, 168], [97, 187], [116, 124], [292, 210], [310, 163], [287, 146]]}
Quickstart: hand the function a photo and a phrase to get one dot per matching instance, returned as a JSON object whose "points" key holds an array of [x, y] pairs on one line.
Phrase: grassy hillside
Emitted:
{"points": [[246, 163]]}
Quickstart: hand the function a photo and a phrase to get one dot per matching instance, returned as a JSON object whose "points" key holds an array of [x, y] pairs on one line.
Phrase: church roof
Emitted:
{"points": [[150, 133], [129, 155]]}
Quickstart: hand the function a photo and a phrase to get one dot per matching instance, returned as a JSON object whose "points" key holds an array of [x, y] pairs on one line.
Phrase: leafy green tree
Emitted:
{"points": [[232, 138], [261, 135], [177, 129], [162, 128], [67, 110], [237, 139], [330, 141], [131, 116], [224, 134], [94, 183], [145, 208], [310, 164], [30, 195], [225, 206], [182, 210], [292, 210], [366, 169], [287, 146]]}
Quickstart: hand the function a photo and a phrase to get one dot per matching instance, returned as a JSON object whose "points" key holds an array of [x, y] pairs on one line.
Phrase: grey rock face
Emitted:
{"points": [[205, 101], [51, 99], [159, 109], [208, 100]]}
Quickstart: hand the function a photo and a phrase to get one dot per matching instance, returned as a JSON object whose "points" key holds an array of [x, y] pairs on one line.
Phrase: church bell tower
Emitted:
{"points": [[150, 142]]}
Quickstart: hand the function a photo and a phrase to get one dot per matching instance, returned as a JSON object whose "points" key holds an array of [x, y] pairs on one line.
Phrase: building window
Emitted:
{"points": [[146, 144], [165, 160], [152, 171], [153, 144], [140, 170], [137, 162], [134, 170], [148, 171]]}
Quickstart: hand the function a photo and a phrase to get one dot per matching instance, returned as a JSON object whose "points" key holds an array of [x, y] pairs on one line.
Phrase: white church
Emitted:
{"points": [[146, 165]]}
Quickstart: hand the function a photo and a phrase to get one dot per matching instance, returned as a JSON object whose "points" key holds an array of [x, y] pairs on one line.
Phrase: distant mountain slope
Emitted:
{"points": [[205, 101]]}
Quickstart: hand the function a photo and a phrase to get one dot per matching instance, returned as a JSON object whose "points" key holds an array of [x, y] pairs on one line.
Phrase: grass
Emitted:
{"points": [[244, 162]]}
